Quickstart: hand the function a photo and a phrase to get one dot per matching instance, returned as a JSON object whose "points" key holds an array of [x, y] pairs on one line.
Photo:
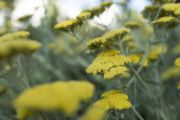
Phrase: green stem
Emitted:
{"points": [[137, 114]]}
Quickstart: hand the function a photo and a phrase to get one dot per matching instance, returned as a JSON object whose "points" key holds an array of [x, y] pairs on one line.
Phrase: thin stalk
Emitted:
{"points": [[137, 114]]}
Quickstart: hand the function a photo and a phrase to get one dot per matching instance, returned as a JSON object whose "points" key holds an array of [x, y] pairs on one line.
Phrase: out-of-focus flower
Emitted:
{"points": [[94, 113], [63, 96], [67, 25], [171, 73], [156, 51], [166, 22], [177, 62]]}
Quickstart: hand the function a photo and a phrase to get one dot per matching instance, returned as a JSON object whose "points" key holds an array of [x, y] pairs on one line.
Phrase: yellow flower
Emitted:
{"points": [[156, 51], [113, 99], [178, 86], [13, 47], [133, 24], [110, 63], [107, 39], [2, 4], [136, 59], [63, 96], [166, 22], [170, 7], [94, 113], [106, 4], [172, 72], [14, 36], [84, 16], [177, 62], [68, 24], [114, 71]]}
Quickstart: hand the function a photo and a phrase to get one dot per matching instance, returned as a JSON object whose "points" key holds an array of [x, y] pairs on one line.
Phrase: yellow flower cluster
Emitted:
{"points": [[107, 39], [166, 22], [87, 14], [69, 24], [84, 16], [63, 96], [15, 43], [14, 36], [100, 9], [110, 63], [94, 113], [172, 8], [113, 99], [2, 4], [136, 59], [132, 24], [156, 51], [172, 72], [177, 62]]}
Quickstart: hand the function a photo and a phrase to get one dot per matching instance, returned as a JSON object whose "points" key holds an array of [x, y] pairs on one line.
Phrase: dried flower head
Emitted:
{"points": [[63, 96]]}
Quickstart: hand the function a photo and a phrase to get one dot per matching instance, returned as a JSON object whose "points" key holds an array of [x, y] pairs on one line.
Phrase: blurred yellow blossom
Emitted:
{"points": [[63, 96], [68, 24], [166, 22], [156, 51], [94, 113], [84, 16], [14, 36], [177, 62], [172, 72], [13, 47], [113, 99], [136, 59]]}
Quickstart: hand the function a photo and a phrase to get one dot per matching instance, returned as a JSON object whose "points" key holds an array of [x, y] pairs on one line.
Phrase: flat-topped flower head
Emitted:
{"points": [[166, 22], [84, 16], [173, 72], [67, 25], [107, 39], [14, 36], [110, 63], [177, 62], [133, 24], [63, 96], [156, 51], [113, 99], [13, 47], [106, 4]]}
